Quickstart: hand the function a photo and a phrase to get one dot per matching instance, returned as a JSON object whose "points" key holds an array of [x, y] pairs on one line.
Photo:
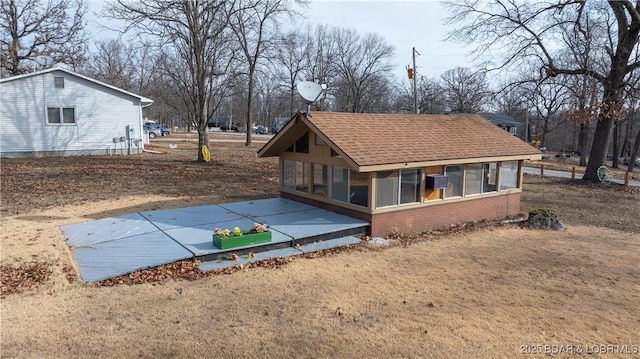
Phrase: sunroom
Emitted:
{"points": [[401, 172]]}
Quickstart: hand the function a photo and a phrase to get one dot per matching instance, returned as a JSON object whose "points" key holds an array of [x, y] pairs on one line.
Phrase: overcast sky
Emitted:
{"points": [[403, 24]]}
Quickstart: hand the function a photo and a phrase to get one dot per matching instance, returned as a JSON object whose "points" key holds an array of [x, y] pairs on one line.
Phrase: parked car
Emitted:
{"points": [[226, 128], [262, 130], [164, 131], [153, 131]]}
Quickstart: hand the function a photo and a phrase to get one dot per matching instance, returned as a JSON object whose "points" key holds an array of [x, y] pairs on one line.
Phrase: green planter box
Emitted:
{"points": [[246, 239]]}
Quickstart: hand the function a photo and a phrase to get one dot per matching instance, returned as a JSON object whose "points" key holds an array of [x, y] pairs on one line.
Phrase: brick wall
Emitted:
{"points": [[441, 215]]}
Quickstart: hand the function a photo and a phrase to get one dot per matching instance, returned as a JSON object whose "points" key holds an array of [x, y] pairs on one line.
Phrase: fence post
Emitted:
{"points": [[573, 173], [626, 178], [541, 170]]}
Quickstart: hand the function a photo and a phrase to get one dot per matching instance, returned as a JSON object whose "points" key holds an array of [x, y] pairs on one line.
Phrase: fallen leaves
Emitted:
{"points": [[25, 277]]}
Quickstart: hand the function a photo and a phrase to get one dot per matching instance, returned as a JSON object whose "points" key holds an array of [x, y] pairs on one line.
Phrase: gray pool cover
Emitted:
{"points": [[111, 247]]}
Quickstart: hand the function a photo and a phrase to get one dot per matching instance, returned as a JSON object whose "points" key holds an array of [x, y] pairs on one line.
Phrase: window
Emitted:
{"points": [[387, 185], [359, 186], [57, 115], [454, 174], [302, 144], [410, 186], [473, 179], [288, 174], [340, 184], [490, 177], [320, 174], [513, 130], [302, 176], [509, 175], [53, 115], [398, 187], [58, 82], [68, 115], [349, 186]]}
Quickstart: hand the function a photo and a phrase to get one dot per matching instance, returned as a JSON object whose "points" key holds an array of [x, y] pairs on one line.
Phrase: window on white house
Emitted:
{"points": [[454, 174], [68, 115], [65, 115], [53, 115], [58, 82], [508, 175]]}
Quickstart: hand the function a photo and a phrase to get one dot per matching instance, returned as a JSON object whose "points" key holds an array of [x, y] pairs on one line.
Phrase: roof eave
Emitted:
{"points": [[446, 162]]}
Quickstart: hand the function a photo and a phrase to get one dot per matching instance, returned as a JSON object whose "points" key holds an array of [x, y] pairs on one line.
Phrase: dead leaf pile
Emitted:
{"points": [[185, 270], [25, 277]]}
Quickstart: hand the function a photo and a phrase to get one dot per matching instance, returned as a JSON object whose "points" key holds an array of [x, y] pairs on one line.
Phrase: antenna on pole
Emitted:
{"points": [[311, 92]]}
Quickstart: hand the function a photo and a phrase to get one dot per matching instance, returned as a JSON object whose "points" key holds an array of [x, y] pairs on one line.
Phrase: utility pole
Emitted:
{"points": [[415, 82]]}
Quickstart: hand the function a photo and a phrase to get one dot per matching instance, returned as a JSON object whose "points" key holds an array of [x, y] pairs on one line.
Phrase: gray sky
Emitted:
{"points": [[403, 24]]}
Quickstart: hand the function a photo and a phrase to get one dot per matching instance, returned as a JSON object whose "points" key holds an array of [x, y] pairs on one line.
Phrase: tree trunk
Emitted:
{"points": [[203, 141], [582, 143], [634, 152], [599, 146], [248, 112], [616, 136], [543, 137]]}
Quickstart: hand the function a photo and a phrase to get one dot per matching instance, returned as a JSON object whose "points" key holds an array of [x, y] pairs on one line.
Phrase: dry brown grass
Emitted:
{"points": [[480, 294]]}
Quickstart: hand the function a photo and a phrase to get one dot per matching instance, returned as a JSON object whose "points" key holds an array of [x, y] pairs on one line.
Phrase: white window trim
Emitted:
{"points": [[61, 112]]}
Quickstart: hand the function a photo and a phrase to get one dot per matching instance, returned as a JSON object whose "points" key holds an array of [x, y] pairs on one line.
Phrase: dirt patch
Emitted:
{"points": [[477, 290]]}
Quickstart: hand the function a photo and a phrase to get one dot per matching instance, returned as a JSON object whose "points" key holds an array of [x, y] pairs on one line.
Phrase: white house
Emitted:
{"points": [[56, 112]]}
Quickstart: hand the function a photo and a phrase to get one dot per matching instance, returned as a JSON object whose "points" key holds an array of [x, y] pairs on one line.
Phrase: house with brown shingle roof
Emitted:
{"points": [[401, 172]]}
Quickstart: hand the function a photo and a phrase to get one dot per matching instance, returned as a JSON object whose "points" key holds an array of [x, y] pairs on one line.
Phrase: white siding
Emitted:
{"points": [[101, 114]]}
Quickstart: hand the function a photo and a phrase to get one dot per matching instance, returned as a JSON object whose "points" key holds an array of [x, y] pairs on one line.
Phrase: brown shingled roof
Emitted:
{"points": [[381, 139]]}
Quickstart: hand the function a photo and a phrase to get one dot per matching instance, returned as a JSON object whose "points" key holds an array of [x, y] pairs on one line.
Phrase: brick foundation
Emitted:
{"points": [[429, 217], [445, 214]]}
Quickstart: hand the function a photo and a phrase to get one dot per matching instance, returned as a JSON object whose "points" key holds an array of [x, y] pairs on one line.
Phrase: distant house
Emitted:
{"points": [[512, 125], [406, 173], [56, 112]]}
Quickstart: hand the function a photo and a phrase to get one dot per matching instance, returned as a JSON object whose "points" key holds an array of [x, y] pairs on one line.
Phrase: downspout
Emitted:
{"points": [[140, 125]]}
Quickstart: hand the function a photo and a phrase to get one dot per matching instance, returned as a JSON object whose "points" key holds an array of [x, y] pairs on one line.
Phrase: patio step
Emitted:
{"points": [[243, 259], [293, 243]]}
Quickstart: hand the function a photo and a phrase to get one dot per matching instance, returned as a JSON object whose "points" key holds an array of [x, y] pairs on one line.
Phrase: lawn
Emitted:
{"points": [[486, 292]]}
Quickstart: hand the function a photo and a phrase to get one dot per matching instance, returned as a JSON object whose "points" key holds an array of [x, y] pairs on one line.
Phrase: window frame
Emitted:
{"points": [[62, 118]]}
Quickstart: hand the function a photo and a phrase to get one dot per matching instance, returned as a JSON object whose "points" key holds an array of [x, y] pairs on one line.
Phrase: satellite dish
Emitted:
{"points": [[309, 90], [43, 60]]}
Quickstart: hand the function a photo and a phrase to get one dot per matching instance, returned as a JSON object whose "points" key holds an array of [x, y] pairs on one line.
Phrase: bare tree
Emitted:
{"points": [[465, 91], [114, 62], [290, 55], [524, 31], [582, 110], [30, 28], [196, 42], [252, 22], [361, 63], [549, 98]]}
